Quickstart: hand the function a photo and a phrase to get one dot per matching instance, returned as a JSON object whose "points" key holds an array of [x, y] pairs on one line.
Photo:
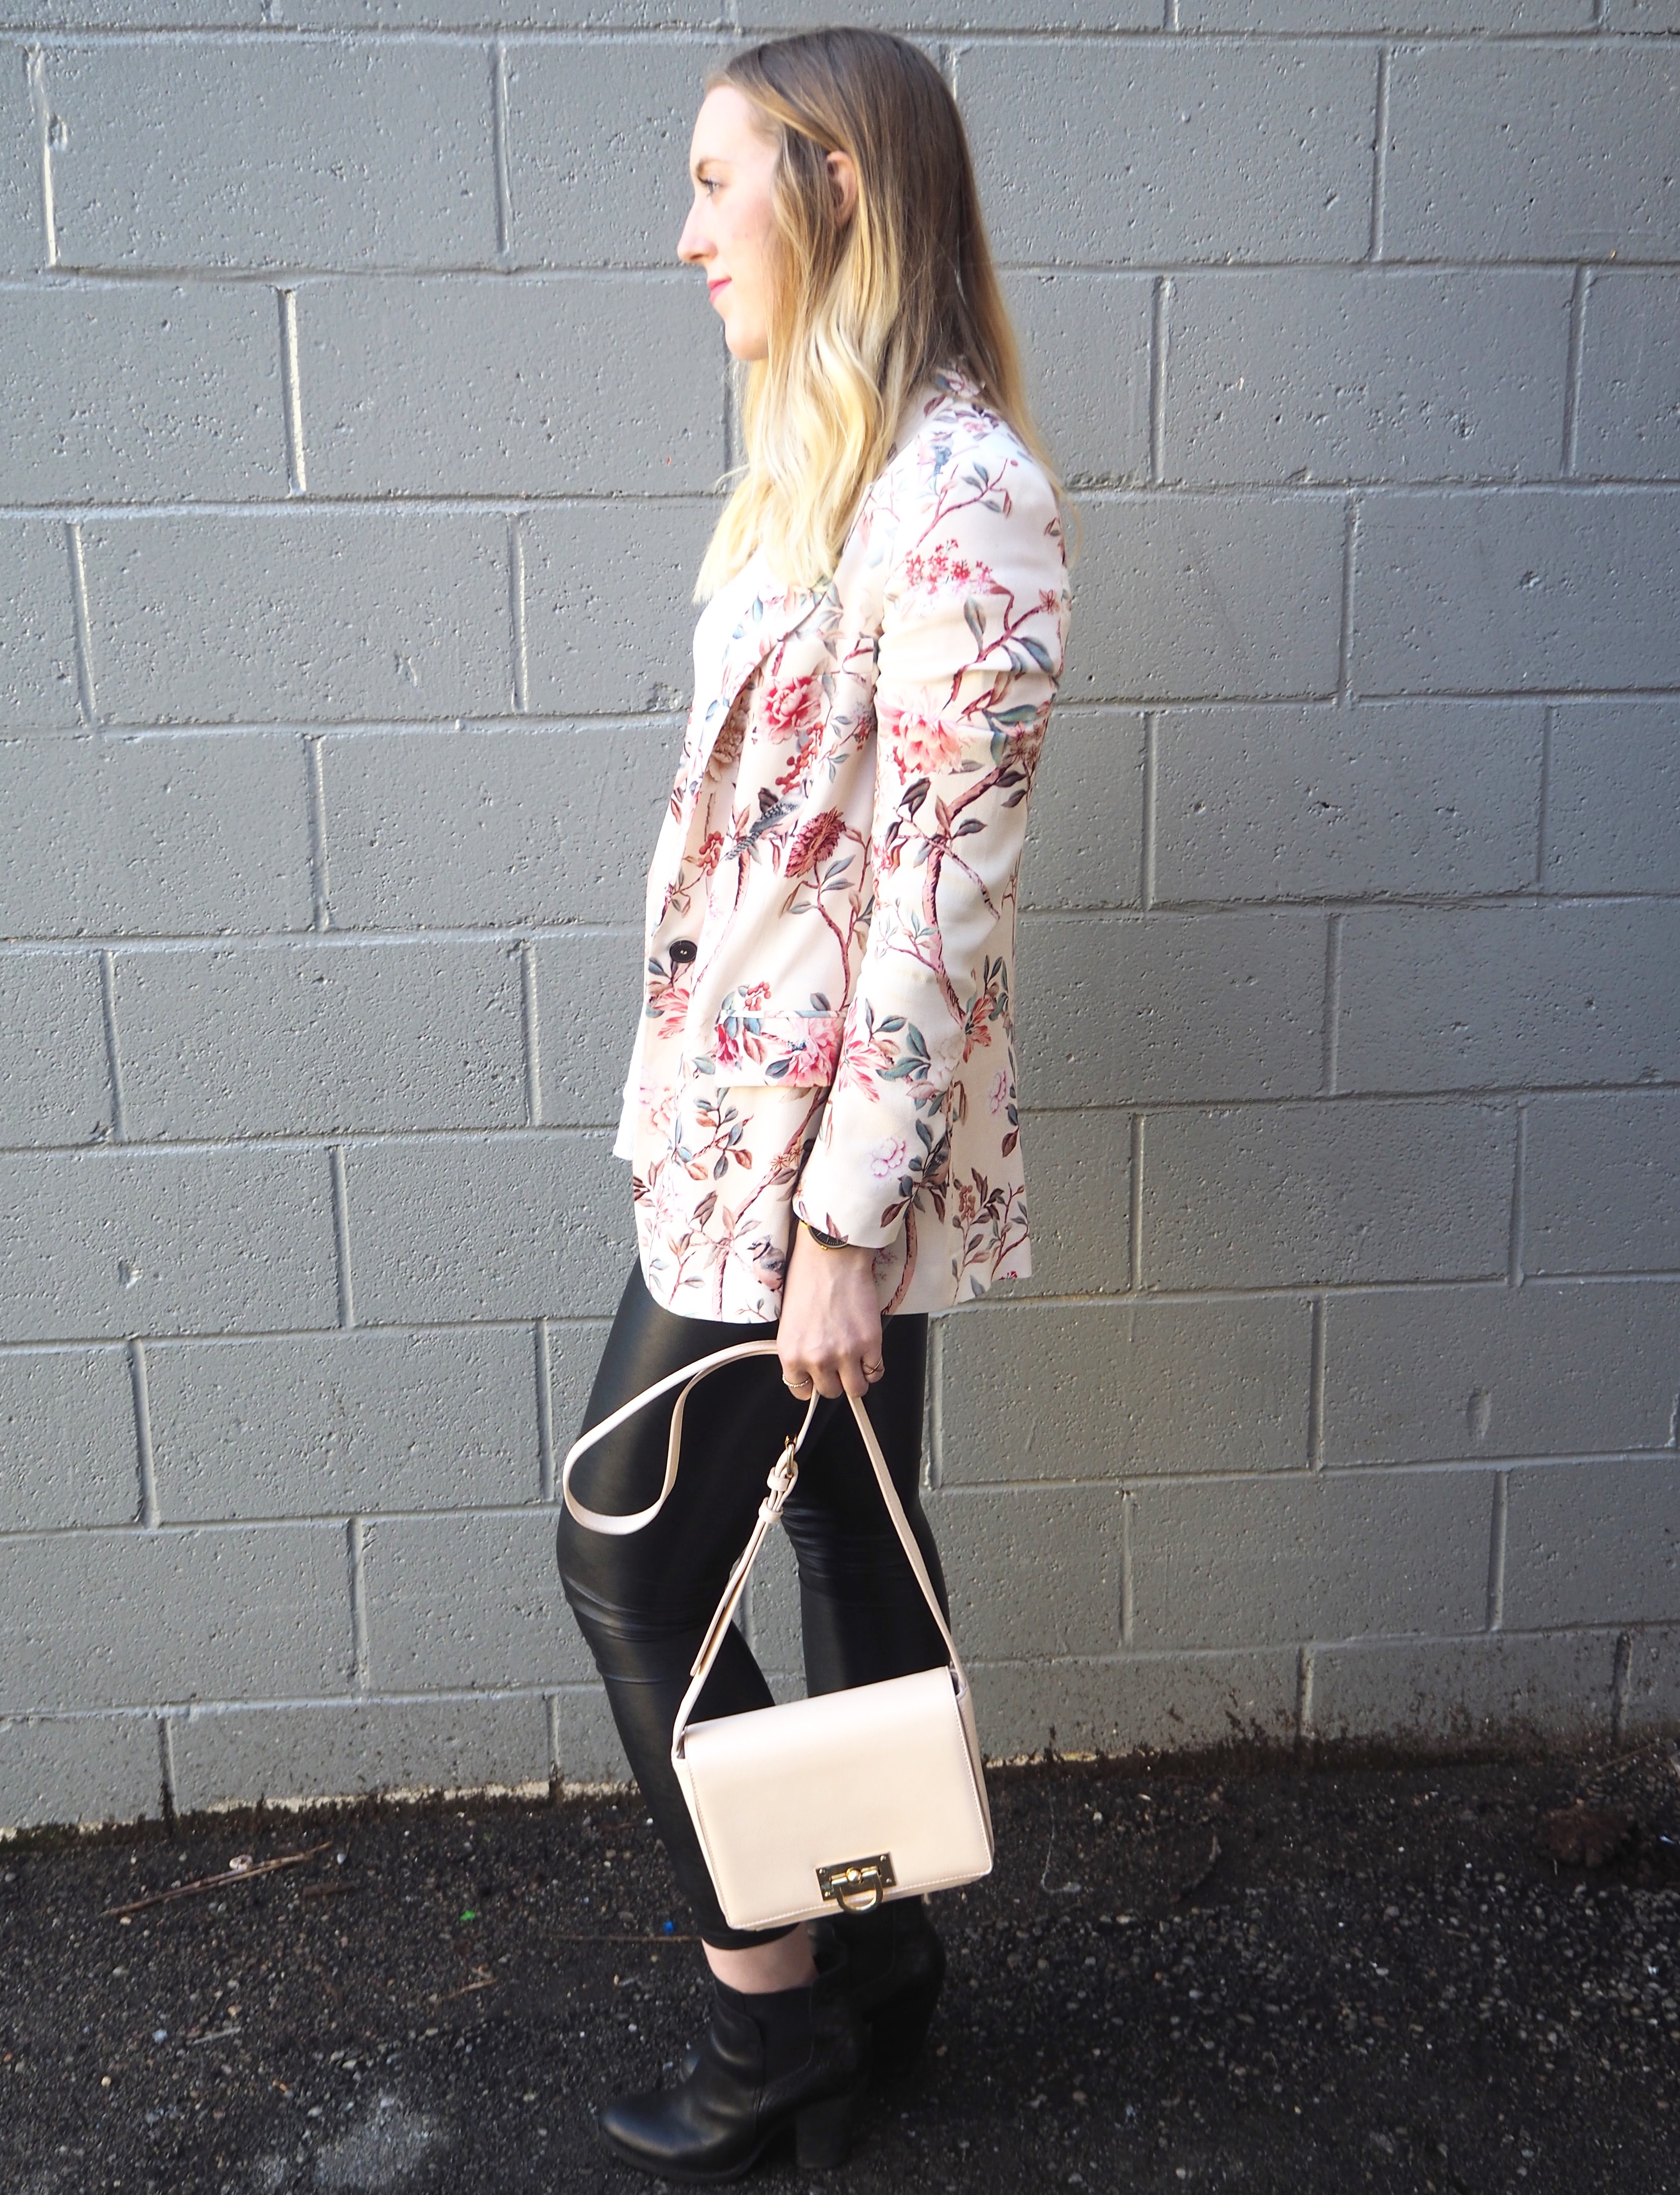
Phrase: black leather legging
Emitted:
{"points": [[643, 1600]]}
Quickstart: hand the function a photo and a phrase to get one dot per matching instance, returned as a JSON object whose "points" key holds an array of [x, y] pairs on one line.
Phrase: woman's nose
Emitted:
{"points": [[692, 245]]}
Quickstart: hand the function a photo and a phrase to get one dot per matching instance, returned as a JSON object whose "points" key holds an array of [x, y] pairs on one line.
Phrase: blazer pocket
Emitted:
{"points": [[756, 1042]]}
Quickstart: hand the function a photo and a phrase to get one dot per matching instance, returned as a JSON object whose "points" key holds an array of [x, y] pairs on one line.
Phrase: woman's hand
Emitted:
{"points": [[830, 1333]]}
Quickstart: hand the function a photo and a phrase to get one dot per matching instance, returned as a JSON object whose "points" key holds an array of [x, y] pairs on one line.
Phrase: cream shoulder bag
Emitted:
{"points": [[845, 1800]]}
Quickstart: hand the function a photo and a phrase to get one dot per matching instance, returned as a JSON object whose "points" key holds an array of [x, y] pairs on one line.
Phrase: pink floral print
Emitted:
{"points": [[836, 871]]}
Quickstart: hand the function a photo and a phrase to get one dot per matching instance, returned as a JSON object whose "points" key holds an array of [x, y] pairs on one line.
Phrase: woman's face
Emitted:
{"points": [[730, 225]]}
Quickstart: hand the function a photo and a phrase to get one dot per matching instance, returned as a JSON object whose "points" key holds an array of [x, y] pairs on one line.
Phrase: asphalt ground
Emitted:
{"points": [[1307, 1979]]}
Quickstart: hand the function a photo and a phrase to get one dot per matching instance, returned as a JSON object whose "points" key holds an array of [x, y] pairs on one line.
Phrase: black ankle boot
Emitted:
{"points": [[786, 2058], [897, 1965]]}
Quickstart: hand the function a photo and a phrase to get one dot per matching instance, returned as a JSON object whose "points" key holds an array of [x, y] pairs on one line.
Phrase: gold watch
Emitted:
{"points": [[828, 1242]]}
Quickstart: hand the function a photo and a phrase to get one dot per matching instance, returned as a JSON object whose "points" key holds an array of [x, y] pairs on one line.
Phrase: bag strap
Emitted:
{"points": [[779, 1483], [687, 1377]]}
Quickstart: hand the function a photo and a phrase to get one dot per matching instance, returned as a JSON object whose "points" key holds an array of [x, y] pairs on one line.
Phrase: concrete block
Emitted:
{"points": [[1124, 1390], [1512, 997], [1405, 796], [588, 991], [336, 16], [143, 394], [1627, 420], [1143, 149], [590, 1752], [574, 1353], [1601, 1190], [772, 1627], [1085, 838], [1183, 598], [315, 1424], [125, 14], [78, 1768], [574, 385], [513, 14], [131, 836], [294, 614], [1085, 339], [519, 1226], [910, 16], [1613, 798], [1031, 1571], [1323, 1194], [1652, 1707], [124, 1241], [597, 142], [609, 614], [1079, 1200], [1134, 1703], [1318, 374], [37, 639], [1308, 1555], [1493, 1691], [258, 1614], [316, 1038], [1593, 1543], [1496, 590], [23, 235], [1509, 150], [468, 1601], [1145, 1009], [352, 153], [1429, 1375], [240, 1756], [67, 1436], [552, 824], [1336, 16], [53, 1086]]}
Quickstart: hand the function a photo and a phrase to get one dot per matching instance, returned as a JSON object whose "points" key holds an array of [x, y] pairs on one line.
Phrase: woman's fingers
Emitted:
{"points": [[852, 1379], [849, 1376], [849, 1367], [830, 1331]]}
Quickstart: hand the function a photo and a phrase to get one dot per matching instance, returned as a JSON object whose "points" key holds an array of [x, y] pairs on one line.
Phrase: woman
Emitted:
{"points": [[821, 1112]]}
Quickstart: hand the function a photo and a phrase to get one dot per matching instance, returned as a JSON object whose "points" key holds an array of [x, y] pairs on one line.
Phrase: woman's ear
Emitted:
{"points": [[842, 181]]}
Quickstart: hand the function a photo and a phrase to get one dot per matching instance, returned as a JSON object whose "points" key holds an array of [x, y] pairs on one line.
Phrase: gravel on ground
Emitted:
{"points": [[1456, 1977]]}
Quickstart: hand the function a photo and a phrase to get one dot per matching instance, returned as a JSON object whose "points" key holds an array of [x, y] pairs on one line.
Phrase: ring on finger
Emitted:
{"points": [[875, 1371]]}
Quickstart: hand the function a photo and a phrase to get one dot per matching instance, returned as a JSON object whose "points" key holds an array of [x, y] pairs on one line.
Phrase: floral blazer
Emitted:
{"points": [[825, 1027]]}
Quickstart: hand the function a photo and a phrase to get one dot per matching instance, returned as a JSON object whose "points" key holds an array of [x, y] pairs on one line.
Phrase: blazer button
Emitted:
{"points": [[682, 950]]}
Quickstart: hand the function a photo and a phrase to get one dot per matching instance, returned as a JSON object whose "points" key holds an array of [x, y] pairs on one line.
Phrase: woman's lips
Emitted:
{"points": [[721, 283]]}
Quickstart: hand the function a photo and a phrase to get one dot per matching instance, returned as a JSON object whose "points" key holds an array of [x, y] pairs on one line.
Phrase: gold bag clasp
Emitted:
{"points": [[857, 1886]]}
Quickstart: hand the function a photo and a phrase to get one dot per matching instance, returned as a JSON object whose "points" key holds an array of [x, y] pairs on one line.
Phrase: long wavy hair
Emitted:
{"points": [[861, 310]]}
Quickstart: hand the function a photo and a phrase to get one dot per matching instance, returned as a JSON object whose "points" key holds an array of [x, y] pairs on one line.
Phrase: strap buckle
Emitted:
{"points": [[783, 1472]]}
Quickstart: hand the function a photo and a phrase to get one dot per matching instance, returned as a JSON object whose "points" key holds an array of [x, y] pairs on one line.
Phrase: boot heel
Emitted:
{"points": [[822, 2133], [898, 2030]]}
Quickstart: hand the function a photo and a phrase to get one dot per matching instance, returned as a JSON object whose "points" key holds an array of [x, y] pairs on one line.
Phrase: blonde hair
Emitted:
{"points": [[864, 309]]}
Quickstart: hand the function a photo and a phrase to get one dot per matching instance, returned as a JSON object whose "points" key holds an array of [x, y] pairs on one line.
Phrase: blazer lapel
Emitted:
{"points": [[760, 613], [767, 615]]}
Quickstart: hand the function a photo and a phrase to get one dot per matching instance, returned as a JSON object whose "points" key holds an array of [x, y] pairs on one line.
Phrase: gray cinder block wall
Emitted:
{"points": [[362, 441]]}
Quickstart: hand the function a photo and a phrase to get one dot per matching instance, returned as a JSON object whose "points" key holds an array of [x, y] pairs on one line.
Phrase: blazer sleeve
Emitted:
{"points": [[974, 618]]}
